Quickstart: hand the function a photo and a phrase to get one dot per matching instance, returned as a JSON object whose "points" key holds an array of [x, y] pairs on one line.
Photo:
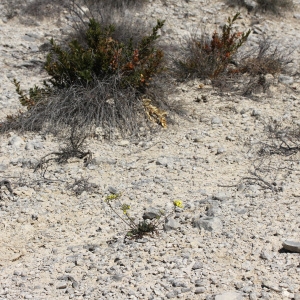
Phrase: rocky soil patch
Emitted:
{"points": [[236, 237]]}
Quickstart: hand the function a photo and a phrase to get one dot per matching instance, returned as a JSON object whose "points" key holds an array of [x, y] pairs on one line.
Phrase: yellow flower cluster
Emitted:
{"points": [[178, 203], [125, 208], [112, 197]]}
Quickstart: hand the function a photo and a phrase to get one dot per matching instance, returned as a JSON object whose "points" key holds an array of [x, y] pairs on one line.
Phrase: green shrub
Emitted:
{"points": [[209, 58], [102, 57], [99, 81]]}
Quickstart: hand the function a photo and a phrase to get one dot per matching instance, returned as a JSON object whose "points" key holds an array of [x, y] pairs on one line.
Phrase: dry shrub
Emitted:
{"points": [[209, 58], [40, 9], [267, 60], [100, 104], [275, 155], [273, 6], [117, 4], [280, 139], [252, 69]]}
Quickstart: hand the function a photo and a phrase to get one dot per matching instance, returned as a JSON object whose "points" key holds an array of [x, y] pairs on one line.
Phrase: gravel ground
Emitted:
{"points": [[60, 240]]}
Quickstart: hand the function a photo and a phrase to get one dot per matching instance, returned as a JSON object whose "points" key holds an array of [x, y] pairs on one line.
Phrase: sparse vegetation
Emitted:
{"points": [[209, 58], [74, 148], [259, 63], [273, 6], [269, 170], [281, 140], [39, 9], [101, 81], [141, 228]]}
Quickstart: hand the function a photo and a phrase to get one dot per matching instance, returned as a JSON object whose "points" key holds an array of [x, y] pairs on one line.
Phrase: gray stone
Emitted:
{"points": [[61, 286], [162, 161], [247, 265], [265, 295], [34, 48], [29, 38], [216, 120], [112, 190], [291, 246], [285, 79], [229, 296], [247, 289], [29, 162], [38, 145], [171, 295], [3, 167], [209, 223], [152, 213], [252, 296], [197, 265], [221, 150], [79, 262], [200, 282], [266, 255], [255, 113], [98, 160], [185, 290], [178, 283], [220, 197], [29, 146], [123, 143], [239, 285], [250, 4], [171, 224], [117, 277], [272, 286], [34, 145], [15, 141], [200, 290], [230, 138], [297, 296]]}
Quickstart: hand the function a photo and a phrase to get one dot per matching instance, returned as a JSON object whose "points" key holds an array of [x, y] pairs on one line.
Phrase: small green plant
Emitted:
{"points": [[210, 58], [141, 228], [35, 94]]}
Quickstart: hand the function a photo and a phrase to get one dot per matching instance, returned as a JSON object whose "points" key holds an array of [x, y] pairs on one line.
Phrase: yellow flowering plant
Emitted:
{"points": [[178, 203], [141, 228]]}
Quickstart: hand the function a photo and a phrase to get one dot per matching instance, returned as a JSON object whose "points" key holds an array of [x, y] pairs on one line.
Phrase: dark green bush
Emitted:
{"points": [[105, 56], [100, 57], [99, 81]]}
